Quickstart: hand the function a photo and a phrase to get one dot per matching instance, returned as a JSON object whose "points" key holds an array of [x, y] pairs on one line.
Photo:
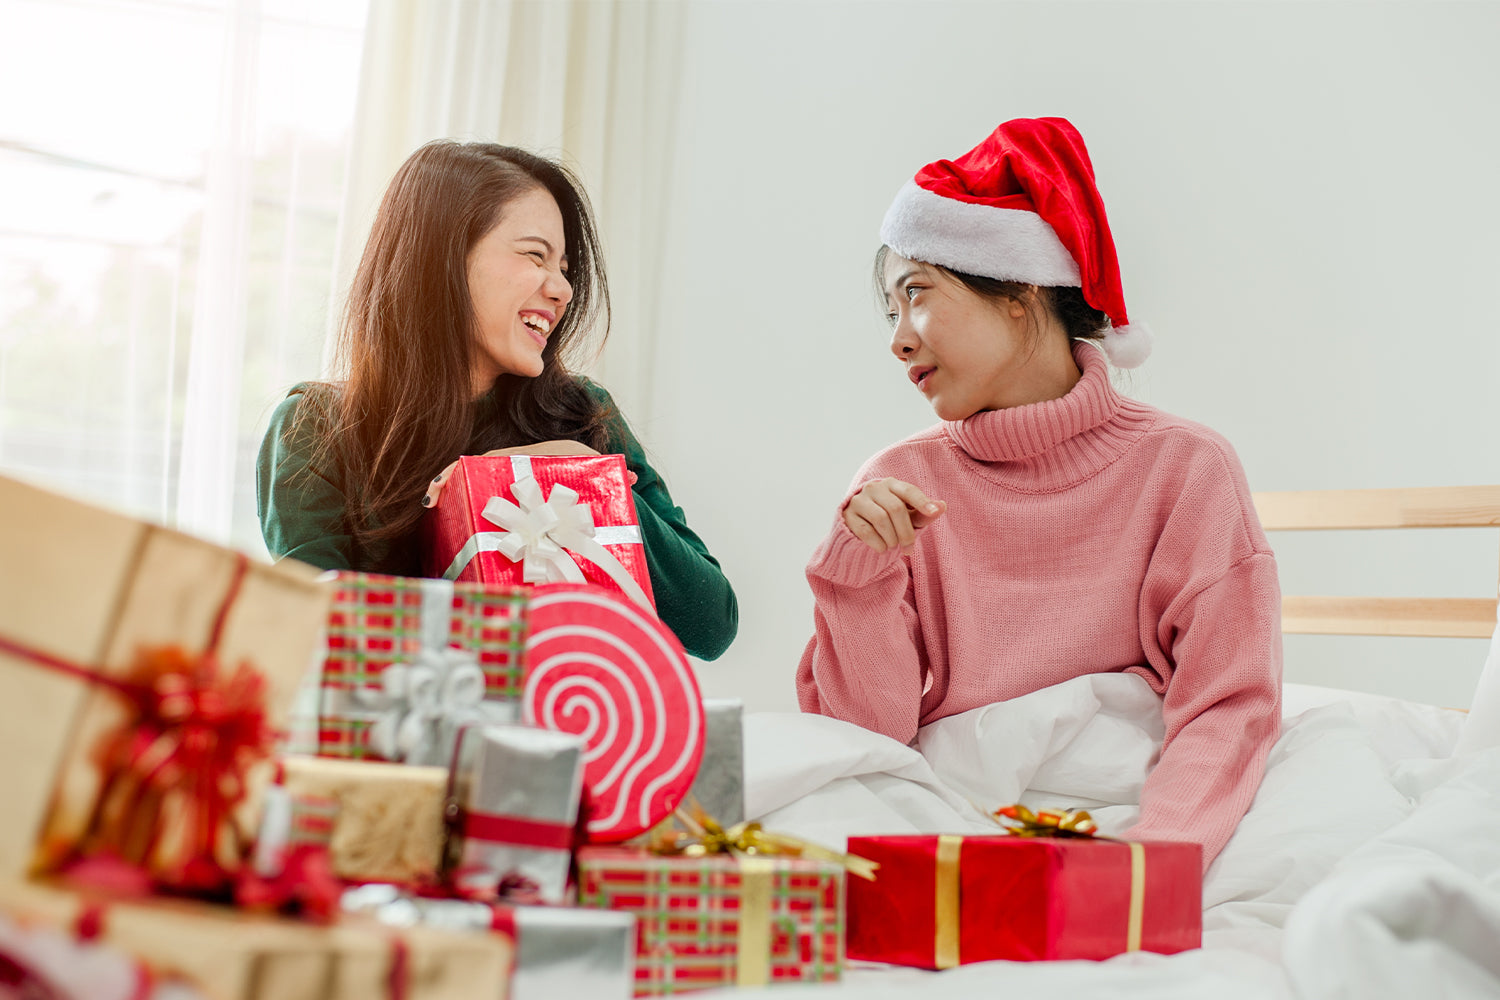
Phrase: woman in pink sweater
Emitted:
{"points": [[1048, 527]]}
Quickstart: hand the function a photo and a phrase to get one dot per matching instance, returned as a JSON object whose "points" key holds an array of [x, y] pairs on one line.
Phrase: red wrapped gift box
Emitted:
{"points": [[378, 621], [944, 901], [719, 920], [537, 519]]}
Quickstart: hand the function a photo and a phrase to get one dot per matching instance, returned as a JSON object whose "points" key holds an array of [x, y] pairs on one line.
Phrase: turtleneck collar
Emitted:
{"points": [[1070, 437]]}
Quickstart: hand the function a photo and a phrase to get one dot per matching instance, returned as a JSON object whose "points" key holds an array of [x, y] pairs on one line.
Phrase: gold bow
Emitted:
{"points": [[1022, 822], [702, 835]]}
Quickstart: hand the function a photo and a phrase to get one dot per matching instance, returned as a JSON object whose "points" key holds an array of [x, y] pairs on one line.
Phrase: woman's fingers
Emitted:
{"points": [[888, 513], [435, 488], [894, 508]]}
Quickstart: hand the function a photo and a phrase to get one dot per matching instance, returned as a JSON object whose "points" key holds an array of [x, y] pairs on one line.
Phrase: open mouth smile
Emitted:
{"points": [[538, 325]]}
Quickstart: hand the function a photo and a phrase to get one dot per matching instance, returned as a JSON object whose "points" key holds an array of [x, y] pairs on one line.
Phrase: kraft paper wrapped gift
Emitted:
{"points": [[230, 955], [90, 601], [387, 819], [503, 815]]}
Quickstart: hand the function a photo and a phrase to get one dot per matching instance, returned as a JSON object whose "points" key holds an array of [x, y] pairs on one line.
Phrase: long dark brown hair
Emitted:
{"points": [[402, 407]]}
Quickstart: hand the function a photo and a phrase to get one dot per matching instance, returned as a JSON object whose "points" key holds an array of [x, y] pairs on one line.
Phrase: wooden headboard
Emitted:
{"points": [[1436, 507]]}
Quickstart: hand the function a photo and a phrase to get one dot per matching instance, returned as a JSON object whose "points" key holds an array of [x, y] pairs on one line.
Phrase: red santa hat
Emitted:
{"points": [[1020, 206]]}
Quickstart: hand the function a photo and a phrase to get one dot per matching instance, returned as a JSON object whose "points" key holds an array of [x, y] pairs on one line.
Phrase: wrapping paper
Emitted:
{"points": [[488, 528], [721, 920], [94, 589], [227, 955], [387, 819], [560, 952], [934, 903], [514, 795], [384, 624], [720, 786], [600, 667]]}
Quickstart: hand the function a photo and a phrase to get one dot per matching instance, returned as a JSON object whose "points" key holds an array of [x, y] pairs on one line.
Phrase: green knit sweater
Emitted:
{"points": [[302, 516]]}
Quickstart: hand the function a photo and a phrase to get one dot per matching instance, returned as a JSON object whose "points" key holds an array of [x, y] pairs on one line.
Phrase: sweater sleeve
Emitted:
{"points": [[692, 594], [863, 663], [1221, 708], [301, 507]]}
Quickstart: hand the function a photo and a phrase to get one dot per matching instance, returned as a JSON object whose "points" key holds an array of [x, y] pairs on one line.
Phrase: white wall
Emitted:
{"points": [[1303, 196]]}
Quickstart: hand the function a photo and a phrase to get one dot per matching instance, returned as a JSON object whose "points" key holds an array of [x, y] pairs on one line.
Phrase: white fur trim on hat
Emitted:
{"points": [[1127, 346], [1004, 243]]}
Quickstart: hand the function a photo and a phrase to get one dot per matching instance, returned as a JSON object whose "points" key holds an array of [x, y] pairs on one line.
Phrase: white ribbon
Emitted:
{"points": [[537, 531], [439, 688]]}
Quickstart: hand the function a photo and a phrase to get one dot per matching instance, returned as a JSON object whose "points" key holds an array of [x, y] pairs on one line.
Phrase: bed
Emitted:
{"points": [[1368, 865]]}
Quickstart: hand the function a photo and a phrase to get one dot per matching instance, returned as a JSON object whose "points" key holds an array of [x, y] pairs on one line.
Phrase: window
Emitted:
{"points": [[171, 179]]}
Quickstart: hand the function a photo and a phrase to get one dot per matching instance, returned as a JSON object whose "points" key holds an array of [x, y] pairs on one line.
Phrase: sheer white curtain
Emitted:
{"points": [[170, 181], [594, 82]]}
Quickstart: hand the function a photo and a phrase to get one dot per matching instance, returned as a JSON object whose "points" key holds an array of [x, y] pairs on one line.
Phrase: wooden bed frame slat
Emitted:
{"points": [[1332, 510], [1451, 617], [1431, 507]]}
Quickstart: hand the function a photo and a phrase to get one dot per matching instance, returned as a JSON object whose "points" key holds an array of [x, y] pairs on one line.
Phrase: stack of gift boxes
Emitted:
{"points": [[513, 786]]}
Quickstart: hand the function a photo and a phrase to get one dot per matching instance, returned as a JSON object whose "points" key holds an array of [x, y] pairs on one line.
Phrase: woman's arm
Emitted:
{"points": [[1221, 708], [693, 597], [863, 663], [301, 509]]}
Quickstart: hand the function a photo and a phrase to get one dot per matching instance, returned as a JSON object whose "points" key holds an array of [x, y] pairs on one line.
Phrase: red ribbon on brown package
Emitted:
{"points": [[194, 731]]}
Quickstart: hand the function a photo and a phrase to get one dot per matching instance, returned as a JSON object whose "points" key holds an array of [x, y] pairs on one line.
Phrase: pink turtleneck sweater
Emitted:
{"points": [[1087, 534]]}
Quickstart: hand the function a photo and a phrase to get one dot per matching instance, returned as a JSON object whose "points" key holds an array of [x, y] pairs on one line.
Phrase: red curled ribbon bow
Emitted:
{"points": [[177, 767]]}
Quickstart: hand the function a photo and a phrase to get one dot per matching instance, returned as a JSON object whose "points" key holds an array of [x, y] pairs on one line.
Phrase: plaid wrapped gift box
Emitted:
{"points": [[378, 621], [721, 920]]}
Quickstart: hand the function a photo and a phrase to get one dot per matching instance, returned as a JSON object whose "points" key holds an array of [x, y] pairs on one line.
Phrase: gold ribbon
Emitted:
{"points": [[945, 947], [1018, 821], [753, 848], [753, 941]]}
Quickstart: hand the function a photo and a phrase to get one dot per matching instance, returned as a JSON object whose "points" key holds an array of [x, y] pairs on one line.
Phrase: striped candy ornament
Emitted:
{"points": [[612, 673]]}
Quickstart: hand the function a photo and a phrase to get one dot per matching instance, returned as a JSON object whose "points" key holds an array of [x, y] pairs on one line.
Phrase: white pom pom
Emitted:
{"points": [[1128, 346]]}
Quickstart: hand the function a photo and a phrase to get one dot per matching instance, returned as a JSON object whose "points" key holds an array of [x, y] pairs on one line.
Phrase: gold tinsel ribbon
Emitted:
{"points": [[1019, 821], [753, 848]]}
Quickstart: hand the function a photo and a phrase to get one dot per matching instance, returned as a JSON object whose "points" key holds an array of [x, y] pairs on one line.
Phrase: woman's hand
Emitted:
{"points": [[435, 488], [887, 513]]}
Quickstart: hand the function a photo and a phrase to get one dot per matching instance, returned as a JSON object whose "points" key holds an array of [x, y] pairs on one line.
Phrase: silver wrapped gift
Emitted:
{"points": [[512, 806], [720, 785], [560, 952]]}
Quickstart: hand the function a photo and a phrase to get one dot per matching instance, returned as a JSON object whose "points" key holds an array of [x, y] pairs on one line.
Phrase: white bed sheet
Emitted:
{"points": [[1368, 866]]}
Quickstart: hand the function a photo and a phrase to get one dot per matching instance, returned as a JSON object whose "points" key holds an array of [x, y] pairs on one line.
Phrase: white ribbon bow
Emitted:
{"points": [[439, 688], [537, 531]]}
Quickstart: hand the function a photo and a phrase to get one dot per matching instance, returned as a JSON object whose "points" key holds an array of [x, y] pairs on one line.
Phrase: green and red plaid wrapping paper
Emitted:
{"points": [[690, 914], [377, 621]]}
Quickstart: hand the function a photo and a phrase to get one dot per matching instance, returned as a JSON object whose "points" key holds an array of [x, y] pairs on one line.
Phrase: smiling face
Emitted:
{"points": [[518, 285], [964, 352]]}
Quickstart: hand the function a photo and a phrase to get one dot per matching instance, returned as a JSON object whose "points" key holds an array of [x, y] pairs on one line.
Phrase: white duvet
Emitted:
{"points": [[1368, 866]]}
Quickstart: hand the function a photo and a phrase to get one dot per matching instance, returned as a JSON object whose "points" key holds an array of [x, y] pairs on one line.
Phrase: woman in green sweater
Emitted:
{"points": [[482, 274]]}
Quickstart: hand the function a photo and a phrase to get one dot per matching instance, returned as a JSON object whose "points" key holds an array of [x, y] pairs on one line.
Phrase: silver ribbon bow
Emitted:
{"points": [[419, 701], [537, 530]]}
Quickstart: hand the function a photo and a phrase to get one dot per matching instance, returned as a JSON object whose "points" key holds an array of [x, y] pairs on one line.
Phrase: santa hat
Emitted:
{"points": [[1020, 206]]}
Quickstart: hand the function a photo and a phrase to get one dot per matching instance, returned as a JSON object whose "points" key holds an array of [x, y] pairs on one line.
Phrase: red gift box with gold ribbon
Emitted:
{"points": [[942, 901]]}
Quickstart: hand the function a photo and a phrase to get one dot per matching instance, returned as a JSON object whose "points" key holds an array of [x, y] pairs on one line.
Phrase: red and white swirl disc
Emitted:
{"points": [[602, 668]]}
